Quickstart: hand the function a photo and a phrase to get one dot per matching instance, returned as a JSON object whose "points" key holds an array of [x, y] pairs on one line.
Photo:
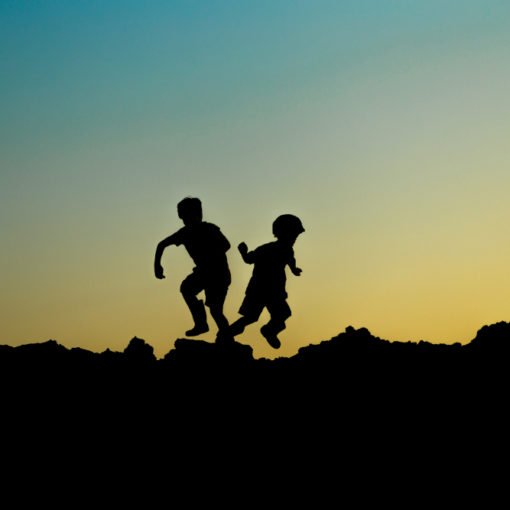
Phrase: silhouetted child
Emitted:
{"points": [[266, 288], [207, 246]]}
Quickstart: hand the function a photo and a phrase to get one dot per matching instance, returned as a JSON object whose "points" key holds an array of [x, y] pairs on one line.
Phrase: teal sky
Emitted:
{"points": [[383, 124]]}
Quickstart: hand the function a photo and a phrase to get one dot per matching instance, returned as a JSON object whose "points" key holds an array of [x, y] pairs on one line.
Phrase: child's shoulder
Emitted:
{"points": [[199, 229], [209, 227], [266, 247], [274, 250]]}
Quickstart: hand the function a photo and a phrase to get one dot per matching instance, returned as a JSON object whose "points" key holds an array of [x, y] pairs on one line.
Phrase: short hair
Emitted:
{"points": [[189, 206]]}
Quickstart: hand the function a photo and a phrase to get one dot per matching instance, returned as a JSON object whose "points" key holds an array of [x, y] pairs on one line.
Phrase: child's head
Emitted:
{"points": [[190, 210], [287, 227]]}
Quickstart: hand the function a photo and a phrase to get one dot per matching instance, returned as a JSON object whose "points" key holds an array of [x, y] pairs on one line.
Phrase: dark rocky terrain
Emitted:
{"points": [[379, 419], [353, 364]]}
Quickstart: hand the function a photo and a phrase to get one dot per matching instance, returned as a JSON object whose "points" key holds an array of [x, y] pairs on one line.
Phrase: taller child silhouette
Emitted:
{"points": [[207, 246]]}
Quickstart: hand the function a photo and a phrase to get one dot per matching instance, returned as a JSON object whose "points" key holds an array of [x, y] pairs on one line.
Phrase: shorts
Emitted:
{"points": [[215, 286], [254, 303]]}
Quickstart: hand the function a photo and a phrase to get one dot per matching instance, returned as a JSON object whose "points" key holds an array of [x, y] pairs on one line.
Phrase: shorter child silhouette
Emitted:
{"points": [[266, 288], [207, 246]]}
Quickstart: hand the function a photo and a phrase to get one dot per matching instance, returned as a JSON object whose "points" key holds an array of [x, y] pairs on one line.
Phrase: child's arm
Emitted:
{"points": [[292, 266], [158, 268], [247, 255]]}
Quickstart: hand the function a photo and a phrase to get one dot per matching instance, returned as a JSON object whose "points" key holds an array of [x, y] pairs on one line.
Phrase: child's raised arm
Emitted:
{"points": [[170, 240], [247, 255]]}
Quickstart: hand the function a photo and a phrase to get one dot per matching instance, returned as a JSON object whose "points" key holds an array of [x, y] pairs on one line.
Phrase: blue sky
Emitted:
{"points": [[384, 124]]}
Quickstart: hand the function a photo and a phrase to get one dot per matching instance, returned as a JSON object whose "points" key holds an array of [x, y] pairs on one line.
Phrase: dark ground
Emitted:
{"points": [[352, 369], [350, 411]]}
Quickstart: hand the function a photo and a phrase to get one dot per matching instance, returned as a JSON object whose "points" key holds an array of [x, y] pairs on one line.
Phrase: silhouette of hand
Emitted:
{"points": [[243, 248], [158, 271], [297, 271]]}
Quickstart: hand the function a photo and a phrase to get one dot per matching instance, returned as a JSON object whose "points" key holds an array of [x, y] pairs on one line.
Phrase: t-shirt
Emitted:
{"points": [[269, 267], [206, 245]]}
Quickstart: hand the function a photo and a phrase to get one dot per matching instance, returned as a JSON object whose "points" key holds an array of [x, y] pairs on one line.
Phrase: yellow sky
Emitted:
{"points": [[384, 129]]}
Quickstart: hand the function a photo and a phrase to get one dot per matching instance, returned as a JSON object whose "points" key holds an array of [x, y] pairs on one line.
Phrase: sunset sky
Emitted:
{"points": [[383, 124]]}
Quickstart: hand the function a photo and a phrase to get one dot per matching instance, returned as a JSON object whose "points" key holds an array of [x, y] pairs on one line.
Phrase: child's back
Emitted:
{"points": [[269, 268], [206, 245]]}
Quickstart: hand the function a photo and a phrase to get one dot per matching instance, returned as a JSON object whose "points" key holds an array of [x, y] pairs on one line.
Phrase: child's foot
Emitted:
{"points": [[198, 330], [224, 338], [235, 329], [271, 338]]}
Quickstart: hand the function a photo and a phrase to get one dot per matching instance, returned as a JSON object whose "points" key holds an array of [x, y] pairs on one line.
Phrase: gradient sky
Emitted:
{"points": [[383, 124]]}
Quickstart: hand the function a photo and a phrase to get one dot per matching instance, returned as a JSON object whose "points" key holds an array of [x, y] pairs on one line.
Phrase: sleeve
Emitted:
{"points": [[179, 237], [220, 241]]}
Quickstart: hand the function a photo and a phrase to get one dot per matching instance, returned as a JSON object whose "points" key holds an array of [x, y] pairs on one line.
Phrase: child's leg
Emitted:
{"points": [[215, 299], [219, 317], [238, 326], [251, 308], [275, 325], [279, 312], [190, 287]]}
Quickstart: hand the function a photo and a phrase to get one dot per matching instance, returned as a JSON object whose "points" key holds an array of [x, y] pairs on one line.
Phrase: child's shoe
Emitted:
{"points": [[197, 330], [197, 310], [224, 338], [236, 328], [271, 337]]}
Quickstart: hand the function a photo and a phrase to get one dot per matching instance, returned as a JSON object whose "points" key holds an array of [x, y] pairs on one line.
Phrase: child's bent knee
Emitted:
{"points": [[187, 289], [250, 319]]}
